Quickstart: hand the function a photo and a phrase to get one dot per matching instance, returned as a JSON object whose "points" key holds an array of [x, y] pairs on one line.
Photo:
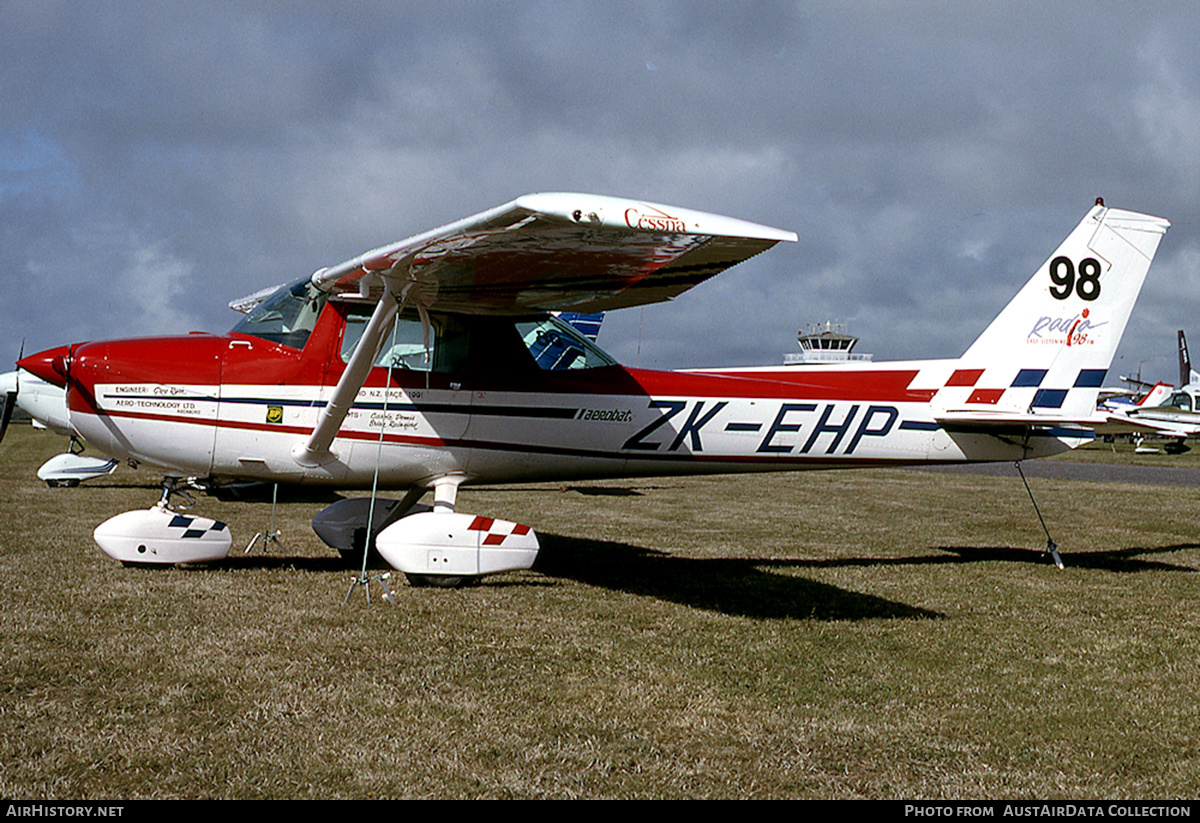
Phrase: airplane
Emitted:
{"points": [[1164, 412], [46, 405], [415, 366]]}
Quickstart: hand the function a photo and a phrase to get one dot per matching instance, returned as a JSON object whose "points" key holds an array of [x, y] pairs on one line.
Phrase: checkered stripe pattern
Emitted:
{"points": [[194, 528], [1043, 398], [497, 530]]}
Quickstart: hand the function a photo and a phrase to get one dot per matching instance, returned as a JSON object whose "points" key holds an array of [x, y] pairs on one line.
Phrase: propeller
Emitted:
{"points": [[10, 400], [10, 397]]}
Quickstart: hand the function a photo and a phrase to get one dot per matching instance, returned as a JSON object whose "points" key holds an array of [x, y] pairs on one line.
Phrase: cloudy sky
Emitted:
{"points": [[160, 159]]}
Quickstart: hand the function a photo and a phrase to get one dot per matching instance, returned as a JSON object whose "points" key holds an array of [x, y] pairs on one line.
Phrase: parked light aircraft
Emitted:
{"points": [[1164, 412], [420, 365], [46, 405]]}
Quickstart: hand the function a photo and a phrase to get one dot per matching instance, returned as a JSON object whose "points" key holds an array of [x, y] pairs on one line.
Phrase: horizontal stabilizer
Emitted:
{"points": [[1012, 422], [1115, 424]]}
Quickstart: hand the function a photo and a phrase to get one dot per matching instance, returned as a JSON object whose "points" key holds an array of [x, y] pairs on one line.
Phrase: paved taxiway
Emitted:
{"points": [[1099, 472]]}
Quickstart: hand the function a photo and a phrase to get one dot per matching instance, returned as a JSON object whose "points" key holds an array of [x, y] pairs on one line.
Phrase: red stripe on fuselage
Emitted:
{"points": [[884, 386], [237, 360]]}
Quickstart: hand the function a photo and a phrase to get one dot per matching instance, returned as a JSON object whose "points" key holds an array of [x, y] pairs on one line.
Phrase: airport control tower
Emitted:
{"points": [[828, 342]]}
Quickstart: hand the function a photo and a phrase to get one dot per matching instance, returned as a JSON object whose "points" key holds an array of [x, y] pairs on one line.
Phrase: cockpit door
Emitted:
{"points": [[411, 415]]}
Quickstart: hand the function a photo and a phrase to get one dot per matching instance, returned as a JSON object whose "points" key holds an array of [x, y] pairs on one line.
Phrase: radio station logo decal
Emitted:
{"points": [[1073, 330]]}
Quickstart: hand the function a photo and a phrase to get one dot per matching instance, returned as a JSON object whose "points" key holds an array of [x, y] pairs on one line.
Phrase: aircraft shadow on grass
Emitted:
{"points": [[738, 587], [276, 560], [747, 587], [1114, 560], [743, 587]]}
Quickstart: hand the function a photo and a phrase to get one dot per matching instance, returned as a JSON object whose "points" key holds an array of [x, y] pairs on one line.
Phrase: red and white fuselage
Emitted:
{"points": [[235, 406], [437, 361], [501, 396]]}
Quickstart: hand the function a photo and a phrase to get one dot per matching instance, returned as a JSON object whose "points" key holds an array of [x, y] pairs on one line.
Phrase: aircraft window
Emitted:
{"points": [[403, 348], [1181, 400], [556, 346], [286, 317]]}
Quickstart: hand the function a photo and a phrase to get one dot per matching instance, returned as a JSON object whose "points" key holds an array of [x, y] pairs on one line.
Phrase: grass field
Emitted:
{"points": [[878, 634]]}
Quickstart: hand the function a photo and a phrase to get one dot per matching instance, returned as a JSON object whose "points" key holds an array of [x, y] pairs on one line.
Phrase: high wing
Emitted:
{"points": [[554, 252], [541, 252]]}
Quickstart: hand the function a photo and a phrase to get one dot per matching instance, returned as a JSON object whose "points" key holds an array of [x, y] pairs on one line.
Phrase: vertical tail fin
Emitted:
{"points": [[1185, 362], [1048, 351], [1156, 396]]}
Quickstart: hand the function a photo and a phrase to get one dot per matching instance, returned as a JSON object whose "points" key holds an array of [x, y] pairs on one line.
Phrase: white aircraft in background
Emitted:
{"points": [[1164, 412], [46, 405], [435, 362]]}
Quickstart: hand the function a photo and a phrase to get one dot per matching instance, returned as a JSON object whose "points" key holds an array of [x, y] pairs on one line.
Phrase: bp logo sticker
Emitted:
{"points": [[274, 414]]}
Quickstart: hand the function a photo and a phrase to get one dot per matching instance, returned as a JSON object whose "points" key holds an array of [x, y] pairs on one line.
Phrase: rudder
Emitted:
{"points": [[1049, 350]]}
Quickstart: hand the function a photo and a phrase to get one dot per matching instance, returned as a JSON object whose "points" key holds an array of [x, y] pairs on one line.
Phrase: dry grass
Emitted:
{"points": [[848, 634]]}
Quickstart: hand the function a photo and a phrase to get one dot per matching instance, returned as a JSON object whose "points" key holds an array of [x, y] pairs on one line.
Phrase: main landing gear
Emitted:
{"points": [[436, 546], [161, 535]]}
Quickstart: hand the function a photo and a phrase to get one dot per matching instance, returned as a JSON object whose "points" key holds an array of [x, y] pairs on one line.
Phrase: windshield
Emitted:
{"points": [[1180, 400], [286, 317]]}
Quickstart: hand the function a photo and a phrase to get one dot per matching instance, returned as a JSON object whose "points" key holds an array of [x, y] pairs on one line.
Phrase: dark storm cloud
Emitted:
{"points": [[159, 159]]}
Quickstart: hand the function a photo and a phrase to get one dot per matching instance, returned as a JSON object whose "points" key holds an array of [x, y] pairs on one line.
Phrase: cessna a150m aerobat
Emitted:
{"points": [[436, 362]]}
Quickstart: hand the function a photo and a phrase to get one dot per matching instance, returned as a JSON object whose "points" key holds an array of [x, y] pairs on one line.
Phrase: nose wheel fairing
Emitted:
{"points": [[161, 536]]}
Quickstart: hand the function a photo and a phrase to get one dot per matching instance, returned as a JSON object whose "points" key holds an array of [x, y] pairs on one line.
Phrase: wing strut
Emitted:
{"points": [[315, 451]]}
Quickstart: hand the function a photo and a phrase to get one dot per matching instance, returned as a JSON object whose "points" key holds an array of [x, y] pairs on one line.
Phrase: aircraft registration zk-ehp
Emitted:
{"points": [[437, 361]]}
